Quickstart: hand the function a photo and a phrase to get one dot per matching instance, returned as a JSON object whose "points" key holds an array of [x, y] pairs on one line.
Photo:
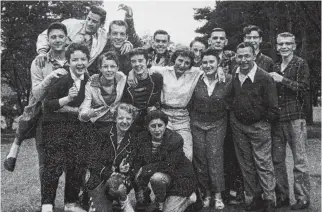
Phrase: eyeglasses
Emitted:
{"points": [[250, 37], [247, 56], [286, 43]]}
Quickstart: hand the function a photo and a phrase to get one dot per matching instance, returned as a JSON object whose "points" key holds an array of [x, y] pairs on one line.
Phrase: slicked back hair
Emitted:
{"points": [[244, 45], [139, 51], [218, 30], [99, 11], [248, 29], [118, 23], [162, 32]]}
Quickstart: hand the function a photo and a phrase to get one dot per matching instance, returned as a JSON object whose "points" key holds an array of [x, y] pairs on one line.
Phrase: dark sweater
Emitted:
{"points": [[255, 101], [169, 159], [208, 109], [59, 90]]}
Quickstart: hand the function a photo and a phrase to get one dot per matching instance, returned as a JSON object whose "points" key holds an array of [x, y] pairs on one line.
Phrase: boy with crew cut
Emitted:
{"points": [[292, 78]]}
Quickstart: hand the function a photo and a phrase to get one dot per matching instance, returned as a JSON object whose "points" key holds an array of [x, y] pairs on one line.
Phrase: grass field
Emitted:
{"points": [[20, 190]]}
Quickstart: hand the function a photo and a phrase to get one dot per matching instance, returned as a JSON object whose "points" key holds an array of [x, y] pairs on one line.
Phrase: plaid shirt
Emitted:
{"points": [[292, 89]]}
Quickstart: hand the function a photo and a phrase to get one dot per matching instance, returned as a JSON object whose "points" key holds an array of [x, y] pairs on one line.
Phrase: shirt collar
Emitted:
{"points": [[203, 76], [76, 78], [251, 73]]}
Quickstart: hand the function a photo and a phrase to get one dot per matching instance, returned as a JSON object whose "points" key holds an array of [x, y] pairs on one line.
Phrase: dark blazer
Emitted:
{"points": [[154, 88], [105, 156], [169, 159]]}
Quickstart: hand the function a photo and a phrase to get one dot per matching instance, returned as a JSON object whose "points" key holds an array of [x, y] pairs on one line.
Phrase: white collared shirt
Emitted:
{"points": [[77, 80], [177, 92], [210, 85], [251, 74]]}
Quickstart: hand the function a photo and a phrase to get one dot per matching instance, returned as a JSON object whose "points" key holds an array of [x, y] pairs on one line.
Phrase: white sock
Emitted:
{"points": [[126, 205], [233, 193], [161, 205], [47, 208], [14, 150], [69, 205]]}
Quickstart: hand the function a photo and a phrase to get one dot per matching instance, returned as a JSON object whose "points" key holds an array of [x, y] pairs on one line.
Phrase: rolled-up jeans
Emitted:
{"points": [[179, 121]]}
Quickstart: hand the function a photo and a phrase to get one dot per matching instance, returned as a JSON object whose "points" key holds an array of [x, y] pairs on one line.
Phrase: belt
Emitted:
{"points": [[170, 107]]}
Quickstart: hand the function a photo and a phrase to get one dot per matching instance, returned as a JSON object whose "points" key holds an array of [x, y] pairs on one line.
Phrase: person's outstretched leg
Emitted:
{"points": [[26, 129]]}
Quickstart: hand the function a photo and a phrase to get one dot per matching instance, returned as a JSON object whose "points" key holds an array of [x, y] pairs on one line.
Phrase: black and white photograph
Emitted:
{"points": [[160, 106]]}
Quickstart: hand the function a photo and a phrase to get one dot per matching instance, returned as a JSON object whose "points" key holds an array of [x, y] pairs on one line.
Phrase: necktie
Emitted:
{"points": [[158, 59], [88, 41]]}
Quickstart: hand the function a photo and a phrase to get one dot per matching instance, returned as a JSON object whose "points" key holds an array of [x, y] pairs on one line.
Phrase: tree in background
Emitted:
{"points": [[302, 18], [21, 23]]}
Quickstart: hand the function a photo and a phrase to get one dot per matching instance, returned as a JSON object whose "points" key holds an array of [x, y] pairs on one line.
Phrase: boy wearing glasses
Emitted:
{"points": [[254, 107], [292, 78], [253, 35]]}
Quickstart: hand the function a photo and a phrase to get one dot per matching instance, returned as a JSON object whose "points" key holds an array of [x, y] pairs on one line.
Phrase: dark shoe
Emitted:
{"points": [[10, 164], [300, 204], [282, 202], [235, 200], [256, 204], [269, 206], [116, 206]]}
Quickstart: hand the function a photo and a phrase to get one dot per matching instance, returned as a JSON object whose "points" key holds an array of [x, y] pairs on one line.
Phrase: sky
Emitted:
{"points": [[176, 17]]}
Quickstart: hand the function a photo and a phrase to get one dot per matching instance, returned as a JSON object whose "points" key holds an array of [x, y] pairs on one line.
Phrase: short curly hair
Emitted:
{"points": [[75, 47], [128, 108], [156, 114], [184, 53], [110, 55]]}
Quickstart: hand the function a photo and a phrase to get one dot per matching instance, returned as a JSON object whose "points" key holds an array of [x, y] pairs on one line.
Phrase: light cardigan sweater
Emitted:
{"points": [[93, 97]]}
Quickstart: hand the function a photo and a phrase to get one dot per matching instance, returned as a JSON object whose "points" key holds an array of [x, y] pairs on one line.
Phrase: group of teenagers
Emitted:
{"points": [[197, 124]]}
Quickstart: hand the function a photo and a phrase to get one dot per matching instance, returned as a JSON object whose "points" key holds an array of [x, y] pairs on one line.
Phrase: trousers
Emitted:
{"points": [[209, 156], [253, 146], [179, 121], [295, 134]]}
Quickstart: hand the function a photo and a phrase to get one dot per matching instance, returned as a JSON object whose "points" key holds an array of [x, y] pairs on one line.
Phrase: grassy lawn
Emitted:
{"points": [[20, 190]]}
